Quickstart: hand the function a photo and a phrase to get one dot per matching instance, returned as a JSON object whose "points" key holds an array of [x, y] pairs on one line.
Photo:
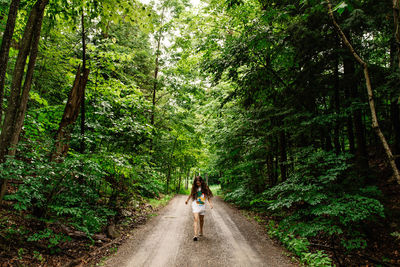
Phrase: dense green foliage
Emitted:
{"points": [[289, 127], [300, 247], [89, 190], [261, 97]]}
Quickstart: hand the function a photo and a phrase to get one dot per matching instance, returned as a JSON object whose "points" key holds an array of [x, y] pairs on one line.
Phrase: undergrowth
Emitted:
{"points": [[324, 196]]}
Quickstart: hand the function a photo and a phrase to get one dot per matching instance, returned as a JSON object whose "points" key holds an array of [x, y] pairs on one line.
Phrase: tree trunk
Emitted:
{"points": [[395, 117], [347, 95], [187, 179], [83, 109], [275, 169], [156, 70], [374, 119], [361, 151], [5, 48], [170, 162], [396, 20], [168, 177], [18, 98], [336, 105], [28, 79], [350, 82], [179, 184], [271, 179], [70, 115], [283, 156], [394, 105], [327, 139]]}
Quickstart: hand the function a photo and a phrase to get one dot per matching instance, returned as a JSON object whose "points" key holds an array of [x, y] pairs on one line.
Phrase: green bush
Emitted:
{"points": [[70, 189], [84, 190], [324, 196], [299, 246], [241, 196]]}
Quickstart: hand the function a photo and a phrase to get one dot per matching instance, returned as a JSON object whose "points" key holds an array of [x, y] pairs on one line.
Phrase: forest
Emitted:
{"points": [[108, 108]]}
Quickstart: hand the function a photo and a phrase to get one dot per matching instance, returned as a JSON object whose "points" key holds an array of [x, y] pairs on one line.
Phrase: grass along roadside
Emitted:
{"points": [[157, 203], [216, 190]]}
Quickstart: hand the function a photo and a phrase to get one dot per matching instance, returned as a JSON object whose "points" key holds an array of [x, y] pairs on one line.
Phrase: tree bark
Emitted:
{"points": [[394, 104], [395, 117], [179, 183], [349, 117], [351, 87], [336, 105], [374, 119], [19, 121], [156, 70], [18, 98], [83, 109], [187, 179], [396, 20], [283, 155], [170, 162], [70, 115], [5, 48]]}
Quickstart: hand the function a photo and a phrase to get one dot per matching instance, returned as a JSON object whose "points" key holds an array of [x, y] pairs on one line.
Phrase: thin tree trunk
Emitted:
{"points": [[169, 165], [168, 177], [83, 109], [351, 87], [394, 105], [179, 184], [5, 48], [326, 138], [359, 129], [187, 179], [156, 70], [374, 119], [19, 121], [13, 99], [18, 98], [283, 155], [396, 20], [361, 150], [155, 80], [275, 169], [395, 117], [347, 95], [336, 105]]}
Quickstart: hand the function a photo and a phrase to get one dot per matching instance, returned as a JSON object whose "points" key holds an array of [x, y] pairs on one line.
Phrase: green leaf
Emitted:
{"points": [[340, 8]]}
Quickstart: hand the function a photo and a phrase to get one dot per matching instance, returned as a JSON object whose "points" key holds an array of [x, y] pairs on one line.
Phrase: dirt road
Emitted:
{"points": [[229, 240]]}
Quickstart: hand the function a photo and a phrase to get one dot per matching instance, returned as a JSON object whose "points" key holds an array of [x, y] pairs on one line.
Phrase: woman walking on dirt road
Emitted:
{"points": [[200, 192]]}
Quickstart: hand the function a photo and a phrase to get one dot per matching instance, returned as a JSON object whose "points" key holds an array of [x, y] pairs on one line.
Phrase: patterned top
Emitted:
{"points": [[201, 198]]}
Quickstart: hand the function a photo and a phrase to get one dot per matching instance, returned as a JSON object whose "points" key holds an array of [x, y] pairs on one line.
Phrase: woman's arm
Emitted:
{"points": [[187, 199], [209, 201]]}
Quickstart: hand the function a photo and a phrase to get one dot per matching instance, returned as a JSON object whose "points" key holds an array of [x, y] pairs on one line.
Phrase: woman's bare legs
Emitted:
{"points": [[195, 223], [201, 217]]}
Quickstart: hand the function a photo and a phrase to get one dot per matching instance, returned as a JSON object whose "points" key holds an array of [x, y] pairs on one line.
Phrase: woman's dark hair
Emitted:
{"points": [[204, 188]]}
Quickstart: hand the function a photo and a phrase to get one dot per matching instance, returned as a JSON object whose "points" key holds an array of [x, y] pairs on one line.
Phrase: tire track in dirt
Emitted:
{"points": [[229, 240]]}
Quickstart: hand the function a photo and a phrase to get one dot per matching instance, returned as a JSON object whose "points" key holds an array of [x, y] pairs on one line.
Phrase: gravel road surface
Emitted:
{"points": [[229, 239]]}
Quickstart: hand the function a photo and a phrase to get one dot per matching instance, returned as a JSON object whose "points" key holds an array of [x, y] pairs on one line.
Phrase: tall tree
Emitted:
{"points": [[83, 84], [5, 48], [374, 118], [395, 57], [159, 38], [18, 99]]}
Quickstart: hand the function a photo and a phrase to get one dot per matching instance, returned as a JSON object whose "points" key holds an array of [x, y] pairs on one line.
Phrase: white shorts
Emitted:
{"points": [[200, 209]]}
